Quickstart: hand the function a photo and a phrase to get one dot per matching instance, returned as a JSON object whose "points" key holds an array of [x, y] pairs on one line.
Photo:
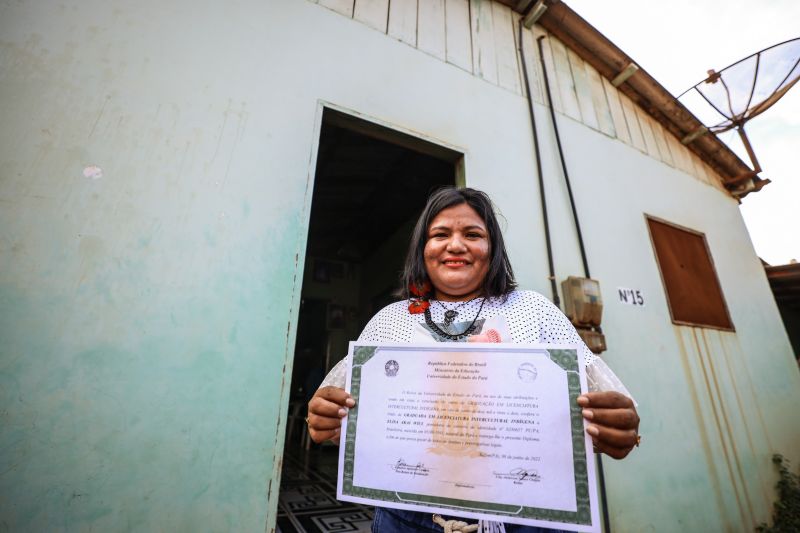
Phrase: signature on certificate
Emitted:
{"points": [[519, 475], [418, 469]]}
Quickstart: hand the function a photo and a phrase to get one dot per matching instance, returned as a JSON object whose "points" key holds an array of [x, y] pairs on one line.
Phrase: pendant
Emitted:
{"points": [[449, 316]]}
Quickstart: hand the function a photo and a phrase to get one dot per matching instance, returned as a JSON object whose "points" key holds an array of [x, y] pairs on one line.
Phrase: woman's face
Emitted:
{"points": [[457, 253]]}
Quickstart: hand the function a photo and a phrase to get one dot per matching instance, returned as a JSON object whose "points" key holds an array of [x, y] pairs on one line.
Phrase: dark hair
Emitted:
{"points": [[500, 277]]}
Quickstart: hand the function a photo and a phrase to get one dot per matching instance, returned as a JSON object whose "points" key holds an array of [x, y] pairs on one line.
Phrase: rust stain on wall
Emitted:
{"points": [[737, 454], [714, 476], [711, 397]]}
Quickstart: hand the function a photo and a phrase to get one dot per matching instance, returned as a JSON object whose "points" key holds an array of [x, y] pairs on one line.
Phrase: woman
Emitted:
{"points": [[461, 287]]}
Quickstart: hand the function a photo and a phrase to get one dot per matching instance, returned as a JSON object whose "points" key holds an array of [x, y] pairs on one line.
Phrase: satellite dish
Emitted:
{"points": [[749, 87]]}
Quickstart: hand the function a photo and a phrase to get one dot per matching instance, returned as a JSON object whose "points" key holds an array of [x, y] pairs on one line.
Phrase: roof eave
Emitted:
{"points": [[594, 48]]}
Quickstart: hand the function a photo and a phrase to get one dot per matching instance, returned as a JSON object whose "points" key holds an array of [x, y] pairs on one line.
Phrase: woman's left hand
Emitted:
{"points": [[613, 422]]}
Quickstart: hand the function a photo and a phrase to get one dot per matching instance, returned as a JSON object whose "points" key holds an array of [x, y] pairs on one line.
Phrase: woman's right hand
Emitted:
{"points": [[325, 412]]}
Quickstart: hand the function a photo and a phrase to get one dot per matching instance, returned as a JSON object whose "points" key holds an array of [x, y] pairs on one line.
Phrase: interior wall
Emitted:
{"points": [[385, 266], [341, 291], [357, 291], [151, 225]]}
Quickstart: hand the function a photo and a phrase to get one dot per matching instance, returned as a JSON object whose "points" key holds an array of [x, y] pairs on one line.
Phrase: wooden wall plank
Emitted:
{"points": [[582, 90], [458, 33], [484, 55], [615, 107], [515, 25], [661, 141], [403, 21], [647, 133], [646, 122], [532, 64], [629, 109], [566, 85], [686, 160], [713, 178], [710, 177], [345, 7], [699, 170], [508, 75], [680, 156], [601, 106], [549, 71], [373, 13], [431, 28], [674, 150]]}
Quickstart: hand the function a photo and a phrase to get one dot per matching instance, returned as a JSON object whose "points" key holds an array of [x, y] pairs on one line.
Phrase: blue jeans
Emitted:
{"points": [[402, 521]]}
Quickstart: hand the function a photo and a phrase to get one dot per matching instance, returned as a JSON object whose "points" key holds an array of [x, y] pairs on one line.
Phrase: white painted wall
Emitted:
{"points": [[707, 464]]}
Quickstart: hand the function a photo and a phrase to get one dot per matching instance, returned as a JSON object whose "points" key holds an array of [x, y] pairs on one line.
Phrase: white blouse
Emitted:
{"points": [[524, 317]]}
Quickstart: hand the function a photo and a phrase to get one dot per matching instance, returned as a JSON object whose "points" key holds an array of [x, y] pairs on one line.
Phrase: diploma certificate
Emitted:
{"points": [[485, 431]]}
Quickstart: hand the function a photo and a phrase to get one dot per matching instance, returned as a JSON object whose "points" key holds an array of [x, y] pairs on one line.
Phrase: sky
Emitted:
{"points": [[676, 42]]}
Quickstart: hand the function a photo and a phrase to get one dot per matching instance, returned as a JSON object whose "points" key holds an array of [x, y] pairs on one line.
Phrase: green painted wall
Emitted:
{"points": [[143, 314]]}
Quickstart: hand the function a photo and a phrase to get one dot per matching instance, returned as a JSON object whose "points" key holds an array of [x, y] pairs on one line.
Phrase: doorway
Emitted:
{"points": [[371, 183]]}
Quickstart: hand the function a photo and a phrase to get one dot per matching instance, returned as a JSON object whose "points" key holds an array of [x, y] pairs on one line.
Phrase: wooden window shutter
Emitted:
{"points": [[693, 290]]}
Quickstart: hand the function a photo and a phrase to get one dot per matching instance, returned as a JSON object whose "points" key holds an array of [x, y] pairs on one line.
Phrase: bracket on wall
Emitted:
{"points": [[702, 130], [626, 73], [534, 14]]}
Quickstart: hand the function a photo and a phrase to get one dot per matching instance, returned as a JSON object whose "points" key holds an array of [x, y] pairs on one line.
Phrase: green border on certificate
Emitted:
{"points": [[567, 359]]}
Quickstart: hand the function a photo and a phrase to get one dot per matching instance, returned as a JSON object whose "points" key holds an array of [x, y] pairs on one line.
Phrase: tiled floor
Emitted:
{"points": [[307, 501]]}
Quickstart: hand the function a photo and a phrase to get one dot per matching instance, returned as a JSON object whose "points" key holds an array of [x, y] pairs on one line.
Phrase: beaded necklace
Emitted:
{"points": [[451, 314], [457, 336]]}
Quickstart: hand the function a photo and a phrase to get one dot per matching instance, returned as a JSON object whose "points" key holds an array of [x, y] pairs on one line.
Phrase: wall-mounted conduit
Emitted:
{"points": [[600, 474], [561, 157], [542, 197]]}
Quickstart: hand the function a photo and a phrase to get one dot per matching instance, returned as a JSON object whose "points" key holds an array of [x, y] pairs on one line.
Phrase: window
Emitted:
{"points": [[693, 291]]}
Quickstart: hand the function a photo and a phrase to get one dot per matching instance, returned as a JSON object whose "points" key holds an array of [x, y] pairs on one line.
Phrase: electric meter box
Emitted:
{"points": [[583, 304], [594, 340]]}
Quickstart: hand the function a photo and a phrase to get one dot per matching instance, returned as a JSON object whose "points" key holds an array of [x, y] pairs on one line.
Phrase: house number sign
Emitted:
{"points": [[630, 296]]}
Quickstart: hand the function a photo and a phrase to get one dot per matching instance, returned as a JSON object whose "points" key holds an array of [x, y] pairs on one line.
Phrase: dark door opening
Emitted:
{"points": [[370, 185]]}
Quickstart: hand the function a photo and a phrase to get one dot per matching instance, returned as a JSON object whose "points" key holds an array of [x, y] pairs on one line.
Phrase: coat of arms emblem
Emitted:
{"points": [[391, 368]]}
